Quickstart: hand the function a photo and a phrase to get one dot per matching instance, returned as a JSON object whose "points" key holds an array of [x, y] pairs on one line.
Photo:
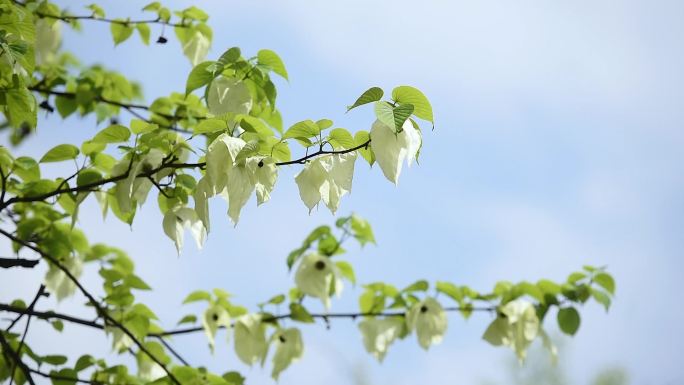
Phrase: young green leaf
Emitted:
{"points": [[271, 60], [568, 320], [410, 95], [371, 95], [59, 153]]}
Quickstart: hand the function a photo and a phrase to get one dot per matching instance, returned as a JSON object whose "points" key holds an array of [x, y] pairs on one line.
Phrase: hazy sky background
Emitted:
{"points": [[558, 143]]}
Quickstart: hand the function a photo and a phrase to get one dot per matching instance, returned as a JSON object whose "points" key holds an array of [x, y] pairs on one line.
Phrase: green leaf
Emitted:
{"points": [[451, 290], [601, 297], [401, 114], [21, 108], [341, 138], [87, 177], [120, 31], [188, 319], [144, 32], [115, 133], [568, 320], [366, 152], [347, 271], [59, 153], [54, 359], [304, 129], [362, 230], [153, 6], [234, 378], [271, 60], [210, 125], [421, 285], [97, 10], [230, 56], [198, 295], [58, 325], [410, 95], [65, 106], [299, 313], [84, 362], [371, 95], [201, 75], [141, 127], [606, 281], [277, 300]]}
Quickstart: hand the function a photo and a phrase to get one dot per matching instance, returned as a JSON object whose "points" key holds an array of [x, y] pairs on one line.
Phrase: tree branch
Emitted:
{"points": [[170, 349], [6, 263], [147, 174], [70, 18], [189, 330], [16, 358], [100, 310], [41, 292], [64, 378], [130, 107]]}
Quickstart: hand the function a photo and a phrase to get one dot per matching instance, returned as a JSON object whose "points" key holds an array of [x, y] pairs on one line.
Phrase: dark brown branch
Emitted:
{"points": [[16, 358], [6, 263], [90, 186], [70, 18], [101, 311], [350, 315], [130, 107], [173, 351], [46, 315], [65, 378]]}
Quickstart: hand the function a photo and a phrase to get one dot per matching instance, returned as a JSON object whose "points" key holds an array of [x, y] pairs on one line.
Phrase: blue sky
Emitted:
{"points": [[557, 143]]}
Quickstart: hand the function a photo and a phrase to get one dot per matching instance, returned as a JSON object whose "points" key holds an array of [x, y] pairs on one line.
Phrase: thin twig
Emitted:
{"points": [[173, 351], [41, 291]]}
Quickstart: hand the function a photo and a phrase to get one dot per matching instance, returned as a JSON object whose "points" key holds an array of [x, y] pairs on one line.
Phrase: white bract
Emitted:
{"points": [[250, 339], [429, 321], [149, 370], [48, 39], [265, 174], [58, 283], [196, 48], [214, 317], [120, 340], [315, 275], [234, 182], [221, 156], [392, 148], [133, 189], [326, 178], [378, 334], [228, 95], [289, 348], [516, 328], [177, 220]]}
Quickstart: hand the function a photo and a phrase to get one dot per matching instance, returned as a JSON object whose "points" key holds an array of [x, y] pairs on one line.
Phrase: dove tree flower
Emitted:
{"points": [[516, 328], [379, 333], [392, 148], [249, 333], [328, 179], [317, 277], [428, 319], [289, 348]]}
